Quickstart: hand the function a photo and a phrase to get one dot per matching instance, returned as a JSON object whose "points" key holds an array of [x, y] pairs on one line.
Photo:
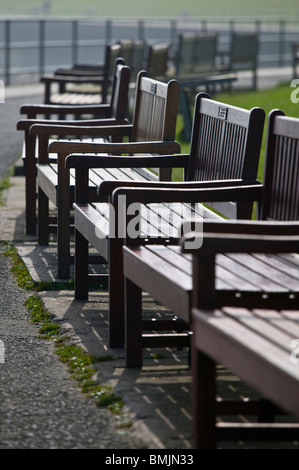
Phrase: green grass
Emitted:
{"points": [[276, 98]]}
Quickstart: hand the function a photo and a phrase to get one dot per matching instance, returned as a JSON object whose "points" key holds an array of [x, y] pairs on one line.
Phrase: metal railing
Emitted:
{"points": [[31, 47]]}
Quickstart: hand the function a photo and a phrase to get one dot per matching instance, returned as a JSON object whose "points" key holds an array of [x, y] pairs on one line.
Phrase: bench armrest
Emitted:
{"points": [[35, 109], [240, 193], [164, 148], [86, 71], [65, 79], [113, 128], [207, 243], [107, 187], [49, 127], [248, 227]]}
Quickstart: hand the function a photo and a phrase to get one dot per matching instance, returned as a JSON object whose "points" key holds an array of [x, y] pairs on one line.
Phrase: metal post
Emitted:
{"points": [[75, 36], [41, 47], [281, 43], [173, 36], [7, 51], [108, 31], [141, 30]]}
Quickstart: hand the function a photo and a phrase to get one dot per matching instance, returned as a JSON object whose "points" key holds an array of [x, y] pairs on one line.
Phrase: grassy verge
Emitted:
{"points": [[78, 361]]}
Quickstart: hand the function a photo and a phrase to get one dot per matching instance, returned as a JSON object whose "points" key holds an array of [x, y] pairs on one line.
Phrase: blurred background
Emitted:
{"points": [[38, 36]]}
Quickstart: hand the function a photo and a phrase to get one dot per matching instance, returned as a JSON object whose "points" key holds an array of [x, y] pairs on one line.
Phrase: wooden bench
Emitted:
{"points": [[236, 266], [196, 54], [82, 85], [152, 131], [225, 145], [242, 54], [243, 281], [196, 70], [255, 343], [113, 112], [157, 60], [132, 51]]}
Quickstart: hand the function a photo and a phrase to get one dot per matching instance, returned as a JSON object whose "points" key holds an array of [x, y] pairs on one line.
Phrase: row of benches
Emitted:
{"points": [[239, 308], [197, 64]]}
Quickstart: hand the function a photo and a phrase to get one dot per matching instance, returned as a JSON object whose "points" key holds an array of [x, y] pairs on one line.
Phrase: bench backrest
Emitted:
{"points": [[243, 52], [225, 142], [120, 89], [196, 53], [127, 46], [157, 58], [133, 52], [112, 52], [138, 57], [281, 170], [155, 112]]}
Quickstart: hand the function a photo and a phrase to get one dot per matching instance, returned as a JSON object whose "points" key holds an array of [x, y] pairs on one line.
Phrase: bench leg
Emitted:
{"points": [[185, 110], [30, 206], [81, 267], [63, 241], [63, 219], [116, 295], [30, 183], [244, 210], [133, 324], [203, 400], [43, 218]]}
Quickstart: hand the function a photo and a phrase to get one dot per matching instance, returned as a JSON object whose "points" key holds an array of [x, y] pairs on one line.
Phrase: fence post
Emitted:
{"points": [[7, 51], [108, 31], [75, 38], [141, 30], [41, 47], [281, 42]]}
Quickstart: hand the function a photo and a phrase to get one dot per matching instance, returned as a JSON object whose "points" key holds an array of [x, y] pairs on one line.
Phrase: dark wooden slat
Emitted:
{"points": [[278, 274], [142, 262], [256, 432], [220, 337]]}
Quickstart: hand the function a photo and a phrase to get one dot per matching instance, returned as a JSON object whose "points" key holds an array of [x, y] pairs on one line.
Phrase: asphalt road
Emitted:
{"points": [[11, 139]]}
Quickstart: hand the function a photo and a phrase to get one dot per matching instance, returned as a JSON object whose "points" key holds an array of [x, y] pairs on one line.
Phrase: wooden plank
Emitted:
{"points": [[48, 181], [86, 220], [258, 360], [262, 324], [273, 278], [166, 284]]}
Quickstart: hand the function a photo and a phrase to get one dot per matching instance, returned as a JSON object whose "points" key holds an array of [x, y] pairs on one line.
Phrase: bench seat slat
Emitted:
{"points": [[262, 324], [178, 297], [247, 270], [285, 263], [176, 260], [278, 279], [280, 321], [86, 219], [257, 360]]}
